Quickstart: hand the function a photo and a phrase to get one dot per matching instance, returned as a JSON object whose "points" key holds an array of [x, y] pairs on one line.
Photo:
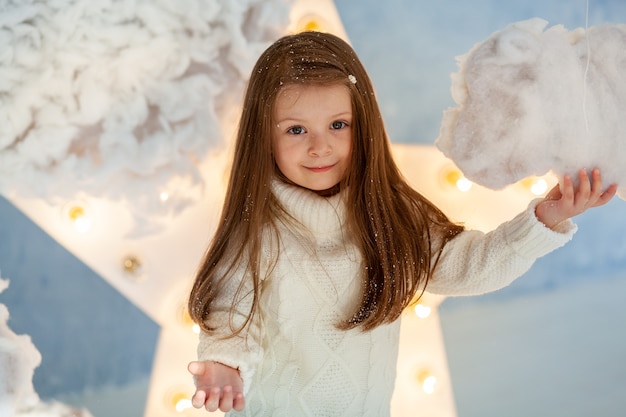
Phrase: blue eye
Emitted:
{"points": [[296, 130], [338, 125]]}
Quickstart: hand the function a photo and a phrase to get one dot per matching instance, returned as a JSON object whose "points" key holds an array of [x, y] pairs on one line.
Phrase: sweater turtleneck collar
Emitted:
{"points": [[321, 215]]}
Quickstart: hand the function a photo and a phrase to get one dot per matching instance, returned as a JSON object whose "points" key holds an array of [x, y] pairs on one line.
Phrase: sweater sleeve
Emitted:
{"points": [[243, 351], [475, 263]]}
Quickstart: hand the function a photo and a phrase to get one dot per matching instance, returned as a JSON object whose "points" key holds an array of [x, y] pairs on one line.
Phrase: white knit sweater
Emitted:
{"points": [[295, 363]]}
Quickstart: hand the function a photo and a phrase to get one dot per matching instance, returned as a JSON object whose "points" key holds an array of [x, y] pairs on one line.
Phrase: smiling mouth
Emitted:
{"points": [[321, 169]]}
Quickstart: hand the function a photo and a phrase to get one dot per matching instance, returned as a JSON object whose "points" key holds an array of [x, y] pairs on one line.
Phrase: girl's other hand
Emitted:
{"points": [[218, 387], [561, 204]]}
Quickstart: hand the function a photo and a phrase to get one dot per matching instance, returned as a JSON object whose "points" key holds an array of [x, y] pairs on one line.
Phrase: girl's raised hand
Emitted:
{"points": [[561, 204], [218, 387]]}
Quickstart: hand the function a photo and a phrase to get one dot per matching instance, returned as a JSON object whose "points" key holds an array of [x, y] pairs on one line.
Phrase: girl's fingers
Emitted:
{"points": [[240, 402], [567, 193], [210, 394], [213, 402], [596, 185], [591, 191], [584, 188], [226, 403], [598, 195], [198, 399], [606, 196], [196, 368]]}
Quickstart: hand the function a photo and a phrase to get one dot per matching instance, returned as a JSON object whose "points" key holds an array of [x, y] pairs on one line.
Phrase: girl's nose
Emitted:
{"points": [[320, 145]]}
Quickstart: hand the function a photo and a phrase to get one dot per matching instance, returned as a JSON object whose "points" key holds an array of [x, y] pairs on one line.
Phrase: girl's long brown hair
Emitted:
{"points": [[398, 231]]}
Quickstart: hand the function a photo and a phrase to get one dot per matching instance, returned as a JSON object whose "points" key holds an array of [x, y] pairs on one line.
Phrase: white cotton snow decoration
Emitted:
{"points": [[532, 100], [122, 98], [18, 360]]}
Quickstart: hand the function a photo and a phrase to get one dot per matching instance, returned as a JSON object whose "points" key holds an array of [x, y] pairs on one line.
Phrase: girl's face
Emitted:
{"points": [[312, 134]]}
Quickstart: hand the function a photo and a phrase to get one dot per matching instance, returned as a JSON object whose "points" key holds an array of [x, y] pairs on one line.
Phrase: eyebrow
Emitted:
{"points": [[334, 116]]}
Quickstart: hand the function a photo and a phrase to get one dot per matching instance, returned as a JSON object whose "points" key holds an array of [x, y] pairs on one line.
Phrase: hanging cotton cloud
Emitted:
{"points": [[533, 100], [18, 359], [121, 99]]}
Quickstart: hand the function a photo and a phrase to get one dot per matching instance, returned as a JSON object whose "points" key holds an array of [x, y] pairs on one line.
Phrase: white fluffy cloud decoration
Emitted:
{"points": [[532, 100], [122, 98]]}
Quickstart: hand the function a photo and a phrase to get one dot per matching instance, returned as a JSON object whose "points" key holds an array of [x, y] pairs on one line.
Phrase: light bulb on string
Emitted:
{"points": [[463, 184], [185, 319], [422, 310], [451, 176], [536, 185], [78, 215], [427, 381], [539, 187], [183, 404], [312, 22], [133, 267], [178, 400]]}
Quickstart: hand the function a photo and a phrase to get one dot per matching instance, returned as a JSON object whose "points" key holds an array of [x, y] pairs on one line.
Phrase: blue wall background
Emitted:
{"points": [[90, 336]]}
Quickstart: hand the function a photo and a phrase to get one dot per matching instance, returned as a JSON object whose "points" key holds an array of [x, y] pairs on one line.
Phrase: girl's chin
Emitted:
{"points": [[328, 191]]}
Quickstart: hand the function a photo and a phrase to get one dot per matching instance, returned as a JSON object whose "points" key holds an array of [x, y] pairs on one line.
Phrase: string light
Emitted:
{"points": [[178, 400], [464, 184], [312, 22], [539, 187], [132, 265], [452, 176], [78, 215], [427, 381], [422, 311], [536, 185], [186, 320], [183, 404]]}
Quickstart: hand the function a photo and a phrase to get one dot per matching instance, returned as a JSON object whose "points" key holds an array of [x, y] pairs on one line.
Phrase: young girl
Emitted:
{"points": [[322, 244]]}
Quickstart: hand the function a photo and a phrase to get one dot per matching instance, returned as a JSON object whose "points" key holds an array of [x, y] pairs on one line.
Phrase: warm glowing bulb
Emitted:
{"points": [[83, 225], [133, 267], [186, 320], [131, 264], [164, 196], [422, 311], [183, 404], [537, 186], [179, 401], [453, 177], [312, 22], [427, 381], [77, 214], [428, 386], [464, 184]]}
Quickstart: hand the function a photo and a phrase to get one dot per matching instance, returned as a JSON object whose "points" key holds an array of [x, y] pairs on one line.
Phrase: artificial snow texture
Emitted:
{"points": [[533, 100], [122, 98]]}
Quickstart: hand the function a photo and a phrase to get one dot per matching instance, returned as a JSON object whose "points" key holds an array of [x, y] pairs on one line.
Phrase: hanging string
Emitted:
{"points": [[587, 67]]}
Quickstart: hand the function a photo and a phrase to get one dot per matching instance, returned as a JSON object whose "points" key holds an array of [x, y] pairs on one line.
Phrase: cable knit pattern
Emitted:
{"points": [[475, 263], [295, 362]]}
